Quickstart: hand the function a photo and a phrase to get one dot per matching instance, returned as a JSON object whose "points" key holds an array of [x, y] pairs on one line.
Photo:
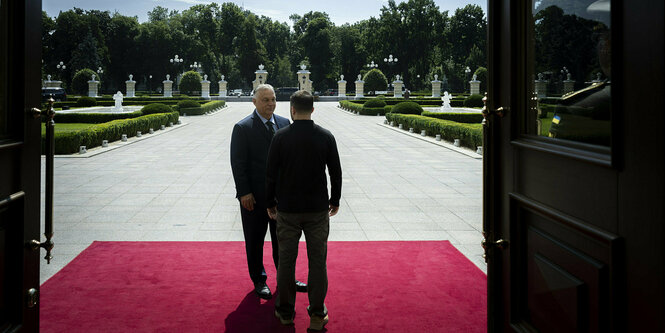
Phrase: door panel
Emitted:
{"points": [[567, 283], [20, 54], [594, 189], [574, 223]]}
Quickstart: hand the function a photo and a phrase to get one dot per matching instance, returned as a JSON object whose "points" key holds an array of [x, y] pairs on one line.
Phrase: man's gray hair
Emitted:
{"points": [[261, 87]]}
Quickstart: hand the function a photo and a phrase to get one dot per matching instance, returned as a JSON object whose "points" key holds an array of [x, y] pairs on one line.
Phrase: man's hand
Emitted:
{"points": [[272, 212], [332, 210], [247, 201]]}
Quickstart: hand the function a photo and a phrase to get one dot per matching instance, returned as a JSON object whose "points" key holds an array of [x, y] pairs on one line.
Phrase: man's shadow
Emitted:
{"points": [[255, 315]]}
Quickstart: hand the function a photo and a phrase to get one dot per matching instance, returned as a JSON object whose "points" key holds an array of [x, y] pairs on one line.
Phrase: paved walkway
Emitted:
{"points": [[177, 186]]}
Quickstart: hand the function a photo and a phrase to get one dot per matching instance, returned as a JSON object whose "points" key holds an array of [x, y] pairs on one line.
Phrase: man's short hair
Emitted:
{"points": [[302, 101], [261, 87]]}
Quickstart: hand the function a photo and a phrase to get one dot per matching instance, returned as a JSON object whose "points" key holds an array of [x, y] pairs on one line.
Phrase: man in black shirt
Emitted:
{"points": [[297, 196]]}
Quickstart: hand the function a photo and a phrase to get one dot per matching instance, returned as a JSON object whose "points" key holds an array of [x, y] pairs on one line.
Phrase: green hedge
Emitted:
{"points": [[474, 101], [86, 102], [470, 135], [203, 109], [375, 103], [466, 118], [407, 108], [69, 142], [93, 118], [393, 101], [350, 106], [373, 111], [106, 101], [156, 108]]}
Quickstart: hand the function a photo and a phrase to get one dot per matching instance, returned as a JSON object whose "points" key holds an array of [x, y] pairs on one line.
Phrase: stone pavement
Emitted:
{"points": [[178, 186]]}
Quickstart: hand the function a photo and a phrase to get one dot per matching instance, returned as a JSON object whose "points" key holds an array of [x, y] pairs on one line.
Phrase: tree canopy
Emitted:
{"points": [[228, 40]]}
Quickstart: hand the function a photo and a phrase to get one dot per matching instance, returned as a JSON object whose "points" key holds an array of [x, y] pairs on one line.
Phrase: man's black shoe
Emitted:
{"points": [[301, 287], [262, 290]]}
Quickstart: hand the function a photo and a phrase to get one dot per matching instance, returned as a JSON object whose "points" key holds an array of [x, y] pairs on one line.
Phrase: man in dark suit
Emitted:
{"points": [[249, 150]]}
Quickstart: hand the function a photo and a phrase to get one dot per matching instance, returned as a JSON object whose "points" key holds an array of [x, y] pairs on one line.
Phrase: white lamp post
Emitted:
{"points": [[467, 71], [176, 60]]}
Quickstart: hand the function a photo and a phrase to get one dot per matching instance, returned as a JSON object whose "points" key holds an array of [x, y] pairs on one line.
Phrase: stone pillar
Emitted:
{"points": [[304, 83], [341, 87], [168, 86], [93, 87], [131, 84], [436, 86], [222, 87], [261, 77], [205, 87], [475, 86], [541, 87], [360, 86], [397, 87], [568, 84]]}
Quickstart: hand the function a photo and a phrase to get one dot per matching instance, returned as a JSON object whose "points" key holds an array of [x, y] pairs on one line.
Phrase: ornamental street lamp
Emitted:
{"points": [[61, 68], [390, 61], [467, 71], [196, 66], [100, 71], [176, 60], [372, 65]]}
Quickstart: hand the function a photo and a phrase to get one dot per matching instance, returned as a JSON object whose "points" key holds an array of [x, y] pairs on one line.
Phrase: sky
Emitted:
{"points": [[340, 11]]}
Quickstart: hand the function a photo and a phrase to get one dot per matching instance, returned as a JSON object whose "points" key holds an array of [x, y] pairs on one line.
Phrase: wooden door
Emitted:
{"points": [[573, 190], [20, 52]]}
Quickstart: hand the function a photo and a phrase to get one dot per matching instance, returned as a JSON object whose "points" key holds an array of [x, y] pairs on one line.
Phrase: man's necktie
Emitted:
{"points": [[270, 128]]}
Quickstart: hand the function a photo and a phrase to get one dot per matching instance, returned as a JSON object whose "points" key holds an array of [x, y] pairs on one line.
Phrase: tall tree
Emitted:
{"points": [[467, 29], [251, 51], [316, 38]]}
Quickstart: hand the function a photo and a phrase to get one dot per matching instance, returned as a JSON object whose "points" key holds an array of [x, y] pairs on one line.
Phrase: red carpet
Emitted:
{"points": [[205, 287]]}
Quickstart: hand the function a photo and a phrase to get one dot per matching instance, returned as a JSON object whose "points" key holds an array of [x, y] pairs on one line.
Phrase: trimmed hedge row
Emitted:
{"points": [[69, 142], [393, 101], [93, 118], [470, 135], [363, 110], [103, 101], [203, 109], [466, 118]]}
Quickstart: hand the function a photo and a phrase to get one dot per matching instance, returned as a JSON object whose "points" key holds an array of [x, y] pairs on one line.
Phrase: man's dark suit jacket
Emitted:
{"points": [[249, 151]]}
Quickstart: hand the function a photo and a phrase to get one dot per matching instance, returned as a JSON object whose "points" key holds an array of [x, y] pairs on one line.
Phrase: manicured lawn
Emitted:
{"points": [[60, 128], [546, 123]]}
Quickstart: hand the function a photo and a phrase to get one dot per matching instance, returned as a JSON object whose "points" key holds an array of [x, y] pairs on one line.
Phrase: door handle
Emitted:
{"points": [[499, 112], [48, 115], [500, 244]]}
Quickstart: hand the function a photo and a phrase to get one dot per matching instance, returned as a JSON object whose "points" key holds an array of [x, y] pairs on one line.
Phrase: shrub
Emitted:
{"points": [[474, 101], [467, 118], [375, 80], [190, 82], [86, 101], [481, 75], [93, 118], [188, 103], [374, 103], [365, 111], [470, 135], [350, 106], [156, 108], [81, 78], [69, 142], [407, 108], [202, 109]]}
